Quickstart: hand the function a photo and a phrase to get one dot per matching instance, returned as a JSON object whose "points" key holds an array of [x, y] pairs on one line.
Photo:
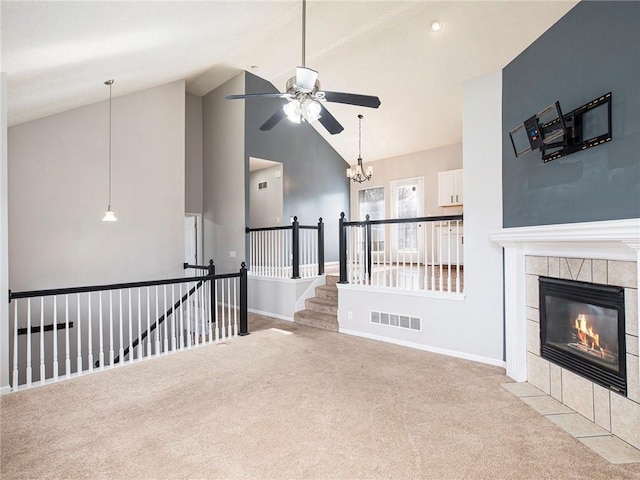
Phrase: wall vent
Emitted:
{"points": [[397, 320], [262, 185]]}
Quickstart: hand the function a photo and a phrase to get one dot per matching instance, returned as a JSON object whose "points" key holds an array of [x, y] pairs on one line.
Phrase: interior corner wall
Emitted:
{"points": [[315, 183], [225, 174], [193, 154], [592, 50], [4, 238], [58, 192]]}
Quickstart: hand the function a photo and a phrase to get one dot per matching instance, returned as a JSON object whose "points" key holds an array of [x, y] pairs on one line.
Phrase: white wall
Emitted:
{"points": [[469, 326], [193, 154], [4, 239], [265, 206], [58, 170], [425, 164], [224, 176]]}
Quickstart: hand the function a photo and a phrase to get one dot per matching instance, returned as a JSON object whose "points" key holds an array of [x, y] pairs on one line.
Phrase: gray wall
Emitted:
{"points": [[265, 206], [193, 154], [592, 50], [315, 182], [224, 177], [58, 193]]}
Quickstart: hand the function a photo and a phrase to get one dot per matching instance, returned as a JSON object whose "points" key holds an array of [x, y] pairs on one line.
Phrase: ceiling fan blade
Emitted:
{"points": [[257, 95], [329, 122], [306, 78], [352, 99], [273, 120]]}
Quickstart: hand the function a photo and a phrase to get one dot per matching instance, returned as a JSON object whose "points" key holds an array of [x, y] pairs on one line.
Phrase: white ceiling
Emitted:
{"points": [[58, 54]]}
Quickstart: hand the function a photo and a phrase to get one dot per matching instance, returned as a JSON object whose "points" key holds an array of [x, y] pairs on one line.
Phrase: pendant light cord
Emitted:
{"points": [[304, 24], [109, 82], [359, 138]]}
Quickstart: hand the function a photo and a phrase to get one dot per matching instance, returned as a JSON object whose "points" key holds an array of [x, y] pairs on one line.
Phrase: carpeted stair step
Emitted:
{"points": [[310, 318], [327, 291], [332, 279], [322, 305]]}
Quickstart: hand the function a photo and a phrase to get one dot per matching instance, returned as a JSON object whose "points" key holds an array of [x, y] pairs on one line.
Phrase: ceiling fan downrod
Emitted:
{"points": [[304, 31]]}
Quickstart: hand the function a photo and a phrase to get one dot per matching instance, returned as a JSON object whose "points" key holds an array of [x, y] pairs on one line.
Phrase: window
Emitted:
{"points": [[371, 202]]}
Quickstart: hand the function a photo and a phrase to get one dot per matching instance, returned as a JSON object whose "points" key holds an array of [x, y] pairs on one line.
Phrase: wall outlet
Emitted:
{"points": [[350, 315], [232, 254]]}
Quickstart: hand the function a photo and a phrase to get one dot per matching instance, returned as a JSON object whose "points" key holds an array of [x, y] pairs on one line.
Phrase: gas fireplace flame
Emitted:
{"points": [[587, 336]]}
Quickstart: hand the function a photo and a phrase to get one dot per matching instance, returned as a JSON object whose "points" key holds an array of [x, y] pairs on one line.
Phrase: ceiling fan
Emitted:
{"points": [[305, 99]]}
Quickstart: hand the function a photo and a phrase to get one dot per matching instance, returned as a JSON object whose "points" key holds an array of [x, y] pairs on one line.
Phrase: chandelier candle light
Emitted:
{"points": [[109, 216], [358, 174]]}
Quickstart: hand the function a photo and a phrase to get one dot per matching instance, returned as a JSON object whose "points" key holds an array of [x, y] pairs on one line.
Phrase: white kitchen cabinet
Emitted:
{"points": [[450, 188], [452, 240]]}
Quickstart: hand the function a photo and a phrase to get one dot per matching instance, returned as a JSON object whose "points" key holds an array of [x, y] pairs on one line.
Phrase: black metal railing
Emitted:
{"points": [[363, 229], [33, 312], [272, 253]]}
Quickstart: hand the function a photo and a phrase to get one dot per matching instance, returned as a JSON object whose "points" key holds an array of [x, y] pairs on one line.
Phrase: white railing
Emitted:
{"points": [[420, 254], [63, 333], [291, 251]]}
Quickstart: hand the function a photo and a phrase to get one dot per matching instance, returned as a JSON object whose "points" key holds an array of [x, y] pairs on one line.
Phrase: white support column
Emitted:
{"points": [[4, 241], [515, 312]]}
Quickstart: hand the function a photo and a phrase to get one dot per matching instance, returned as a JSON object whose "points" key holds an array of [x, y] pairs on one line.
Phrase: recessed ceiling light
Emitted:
{"points": [[254, 67], [436, 26]]}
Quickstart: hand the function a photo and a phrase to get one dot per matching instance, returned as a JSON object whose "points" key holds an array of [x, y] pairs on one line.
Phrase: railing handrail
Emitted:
{"points": [[285, 227], [115, 286], [441, 218]]}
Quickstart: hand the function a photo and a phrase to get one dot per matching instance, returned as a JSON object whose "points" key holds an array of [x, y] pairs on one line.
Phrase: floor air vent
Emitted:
{"points": [[397, 320]]}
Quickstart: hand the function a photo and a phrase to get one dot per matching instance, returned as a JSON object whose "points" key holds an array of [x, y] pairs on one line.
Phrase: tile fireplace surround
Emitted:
{"points": [[605, 252]]}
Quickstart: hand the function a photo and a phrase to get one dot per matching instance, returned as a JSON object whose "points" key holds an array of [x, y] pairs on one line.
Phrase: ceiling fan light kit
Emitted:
{"points": [[305, 97]]}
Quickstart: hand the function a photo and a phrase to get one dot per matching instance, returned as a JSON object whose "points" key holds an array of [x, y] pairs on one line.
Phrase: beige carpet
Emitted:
{"points": [[312, 404]]}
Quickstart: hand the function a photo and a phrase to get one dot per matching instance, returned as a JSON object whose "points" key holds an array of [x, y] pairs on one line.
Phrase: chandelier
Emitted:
{"points": [[358, 174]]}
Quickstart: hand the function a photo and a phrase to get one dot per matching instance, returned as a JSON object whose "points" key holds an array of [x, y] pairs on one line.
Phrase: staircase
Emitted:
{"points": [[322, 310]]}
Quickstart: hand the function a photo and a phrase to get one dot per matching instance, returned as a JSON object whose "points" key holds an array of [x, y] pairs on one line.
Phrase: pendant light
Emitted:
{"points": [[358, 174], [109, 215]]}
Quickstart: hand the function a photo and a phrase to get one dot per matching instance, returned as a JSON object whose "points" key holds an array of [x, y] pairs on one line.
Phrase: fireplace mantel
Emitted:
{"points": [[609, 240]]}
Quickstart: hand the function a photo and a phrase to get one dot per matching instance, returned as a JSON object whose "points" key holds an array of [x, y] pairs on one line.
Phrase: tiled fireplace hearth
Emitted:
{"points": [[602, 253]]}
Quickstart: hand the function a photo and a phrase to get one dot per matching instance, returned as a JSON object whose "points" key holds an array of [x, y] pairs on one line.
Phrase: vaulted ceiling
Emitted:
{"points": [[58, 54]]}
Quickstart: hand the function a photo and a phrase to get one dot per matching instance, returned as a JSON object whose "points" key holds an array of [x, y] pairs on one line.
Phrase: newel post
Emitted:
{"points": [[320, 247], [295, 245], [211, 271], [244, 328], [342, 246]]}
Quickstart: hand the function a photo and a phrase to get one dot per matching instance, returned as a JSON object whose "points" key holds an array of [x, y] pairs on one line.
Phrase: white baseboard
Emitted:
{"points": [[272, 315], [427, 348]]}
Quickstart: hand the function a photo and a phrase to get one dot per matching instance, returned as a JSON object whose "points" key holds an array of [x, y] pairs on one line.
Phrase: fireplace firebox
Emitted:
{"points": [[582, 329]]}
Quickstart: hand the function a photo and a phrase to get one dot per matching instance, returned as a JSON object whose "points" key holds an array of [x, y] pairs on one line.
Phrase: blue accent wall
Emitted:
{"points": [[592, 50], [315, 183]]}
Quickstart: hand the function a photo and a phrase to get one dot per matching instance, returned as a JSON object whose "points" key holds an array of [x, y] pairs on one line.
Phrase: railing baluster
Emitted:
{"points": [[157, 316], [223, 331], [448, 256], [229, 330], [166, 320], [188, 322], [131, 352], [140, 339], [121, 337], [181, 319], [214, 284], [16, 372], [29, 369], [89, 333], [101, 353], [235, 309], [148, 351], [173, 320], [209, 313], [67, 353], [457, 256], [79, 366], [55, 339], [42, 359], [111, 354], [196, 321]]}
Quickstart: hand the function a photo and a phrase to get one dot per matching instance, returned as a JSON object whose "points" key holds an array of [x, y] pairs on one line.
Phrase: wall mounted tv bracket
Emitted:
{"points": [[558, 135]]}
